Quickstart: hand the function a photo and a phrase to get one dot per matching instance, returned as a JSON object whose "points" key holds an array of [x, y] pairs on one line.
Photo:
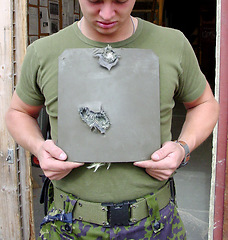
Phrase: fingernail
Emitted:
{"points": [[80, 164], [62, 156], [155, 156], [137, 163]]}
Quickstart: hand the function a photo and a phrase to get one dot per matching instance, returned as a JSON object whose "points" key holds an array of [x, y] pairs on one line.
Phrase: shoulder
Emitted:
{"points": [[161, 37], [160, 31], [45, 51]]}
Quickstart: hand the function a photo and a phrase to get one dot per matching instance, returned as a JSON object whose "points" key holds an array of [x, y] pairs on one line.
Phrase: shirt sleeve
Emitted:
{"points": [[192, 81], [27, 87]]}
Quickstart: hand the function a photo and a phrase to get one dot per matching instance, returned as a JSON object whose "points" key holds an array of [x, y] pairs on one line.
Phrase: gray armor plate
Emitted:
{"points": [[108, 115]]}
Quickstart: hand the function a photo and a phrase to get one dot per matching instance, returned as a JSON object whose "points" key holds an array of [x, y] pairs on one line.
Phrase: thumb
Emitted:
{"points": [[54, 150], [160, 153], [62, 156]]}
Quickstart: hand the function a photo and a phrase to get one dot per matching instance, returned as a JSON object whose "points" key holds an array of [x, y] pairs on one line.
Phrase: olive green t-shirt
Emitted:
{"points": [[180, 78]]}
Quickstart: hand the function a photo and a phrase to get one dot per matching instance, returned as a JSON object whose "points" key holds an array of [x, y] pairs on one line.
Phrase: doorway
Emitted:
{"points": [[197, 21]]}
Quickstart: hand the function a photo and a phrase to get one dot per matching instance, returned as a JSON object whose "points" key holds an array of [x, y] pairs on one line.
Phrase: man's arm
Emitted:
{"points": [[202, 115], [22, 125]]}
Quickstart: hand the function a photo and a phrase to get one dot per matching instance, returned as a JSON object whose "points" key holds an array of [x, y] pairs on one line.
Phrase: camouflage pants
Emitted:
{"points": [[59, 225]]}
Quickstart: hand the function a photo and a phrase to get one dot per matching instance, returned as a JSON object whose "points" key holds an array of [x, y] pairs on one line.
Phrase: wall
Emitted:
{"points": [[46, 17]]}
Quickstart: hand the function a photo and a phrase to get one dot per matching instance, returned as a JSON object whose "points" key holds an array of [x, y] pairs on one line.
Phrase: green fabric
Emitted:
{"points": [[180, 77], [159, 225], [97, 212], [154, 216]]}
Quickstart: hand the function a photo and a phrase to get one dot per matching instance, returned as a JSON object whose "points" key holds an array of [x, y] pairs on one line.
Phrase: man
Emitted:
{"points": [[130, 186]]}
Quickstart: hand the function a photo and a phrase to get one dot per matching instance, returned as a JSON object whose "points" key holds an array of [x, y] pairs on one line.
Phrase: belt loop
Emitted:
{"points": [[172, 190], [67, 203], [154, 213], [69, 208], [46, 196]]}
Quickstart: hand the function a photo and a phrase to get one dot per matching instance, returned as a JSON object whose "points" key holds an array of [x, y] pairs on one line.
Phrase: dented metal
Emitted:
{"points": [[108, 58], [95, 120]]}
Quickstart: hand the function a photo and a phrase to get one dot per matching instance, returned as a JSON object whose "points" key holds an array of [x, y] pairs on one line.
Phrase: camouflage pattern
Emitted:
{"points": [[164, 224]]}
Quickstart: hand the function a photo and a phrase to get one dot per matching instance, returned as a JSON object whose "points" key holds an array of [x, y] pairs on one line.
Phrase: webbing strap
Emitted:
{"points": [[98, 213]]}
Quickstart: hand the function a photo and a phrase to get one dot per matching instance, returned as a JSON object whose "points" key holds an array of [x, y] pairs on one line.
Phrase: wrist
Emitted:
{"points": [[38, 144], [186, 158]]}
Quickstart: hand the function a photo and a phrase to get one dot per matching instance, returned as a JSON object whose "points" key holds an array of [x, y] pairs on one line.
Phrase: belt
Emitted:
{"points": [[111, 214]]}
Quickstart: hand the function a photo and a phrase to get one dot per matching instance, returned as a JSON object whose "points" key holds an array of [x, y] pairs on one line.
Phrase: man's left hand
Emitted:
{"points": [[164, 161]]}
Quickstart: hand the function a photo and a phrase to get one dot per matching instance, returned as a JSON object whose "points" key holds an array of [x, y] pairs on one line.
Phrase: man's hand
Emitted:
{"points": [[52, 161], [164, 161], [22, 124]]}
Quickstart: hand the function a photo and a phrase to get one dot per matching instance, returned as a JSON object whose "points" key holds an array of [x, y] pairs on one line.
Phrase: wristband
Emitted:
{"points": [[187, 153]]}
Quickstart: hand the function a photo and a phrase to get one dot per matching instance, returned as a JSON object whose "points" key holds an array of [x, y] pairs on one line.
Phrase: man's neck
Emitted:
{"points": [[121, 34]]}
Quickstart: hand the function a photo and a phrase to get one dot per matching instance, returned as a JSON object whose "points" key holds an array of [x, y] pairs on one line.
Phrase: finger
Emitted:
{"points": [[162, 165], [61, 170], [71, 165], [167, 163], [56, 175], [161, 175], [59, 166], [67, 165], [143, 164]]}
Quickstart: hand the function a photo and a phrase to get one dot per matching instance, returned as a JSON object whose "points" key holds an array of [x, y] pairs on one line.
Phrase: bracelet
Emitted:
{"points": [[187, 153]]}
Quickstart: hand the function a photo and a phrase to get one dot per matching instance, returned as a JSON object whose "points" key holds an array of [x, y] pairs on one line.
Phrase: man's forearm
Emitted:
{"points": [[25, 130]]}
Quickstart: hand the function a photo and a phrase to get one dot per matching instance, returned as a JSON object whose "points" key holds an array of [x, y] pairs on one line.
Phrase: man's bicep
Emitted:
{"points": [[18, 105], [206, 96]]}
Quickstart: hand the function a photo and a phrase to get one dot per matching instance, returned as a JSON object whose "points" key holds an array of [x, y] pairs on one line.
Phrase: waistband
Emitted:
{"points": [[111, 214]]}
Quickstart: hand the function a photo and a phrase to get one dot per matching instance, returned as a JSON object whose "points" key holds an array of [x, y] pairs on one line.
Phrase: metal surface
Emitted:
{"points": [[97, 121], [129, 95]]}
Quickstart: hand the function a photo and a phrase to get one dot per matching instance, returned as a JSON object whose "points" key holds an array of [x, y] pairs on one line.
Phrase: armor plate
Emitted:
{"points": [[108, 115]]}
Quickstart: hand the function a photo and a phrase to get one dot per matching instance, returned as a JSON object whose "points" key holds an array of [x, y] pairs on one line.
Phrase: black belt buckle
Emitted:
{"points": [[119, 213]]}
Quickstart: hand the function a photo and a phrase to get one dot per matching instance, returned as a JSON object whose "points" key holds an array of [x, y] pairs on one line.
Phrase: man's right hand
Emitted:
{"points": [[22, 125], [52, 161]]}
